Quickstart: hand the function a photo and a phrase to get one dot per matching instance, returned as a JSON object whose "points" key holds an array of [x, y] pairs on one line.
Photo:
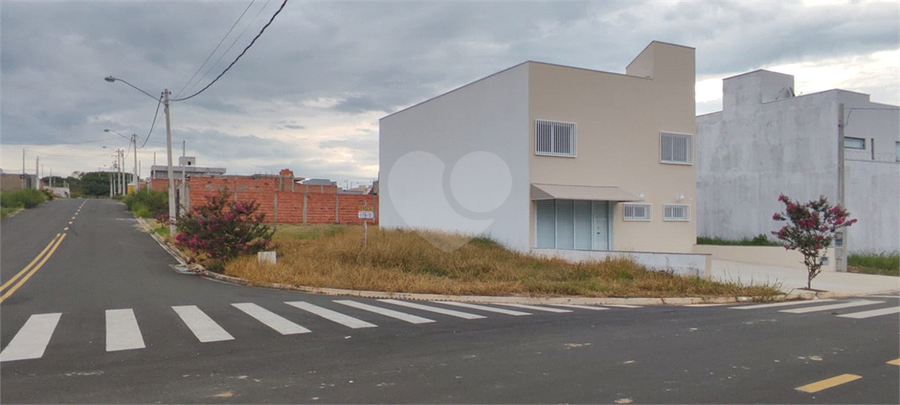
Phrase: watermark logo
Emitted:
{"points": [[463, 201]]}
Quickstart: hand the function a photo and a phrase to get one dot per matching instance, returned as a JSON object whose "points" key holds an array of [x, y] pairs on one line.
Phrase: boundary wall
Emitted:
{"points": [[280, 198]]}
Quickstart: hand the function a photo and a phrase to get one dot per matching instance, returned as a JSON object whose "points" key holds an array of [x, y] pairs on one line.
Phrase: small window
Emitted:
{"points": [[637, 212], [677, 212], [553, 138], [854, 143], [675, 148], [897, 151]]}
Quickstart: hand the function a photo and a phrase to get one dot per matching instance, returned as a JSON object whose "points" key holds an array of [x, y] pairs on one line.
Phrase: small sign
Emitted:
{"points": [[367, 215]]}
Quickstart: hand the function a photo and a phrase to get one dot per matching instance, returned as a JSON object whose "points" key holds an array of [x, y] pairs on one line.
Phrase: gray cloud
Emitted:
{"points": [[371, 57]]}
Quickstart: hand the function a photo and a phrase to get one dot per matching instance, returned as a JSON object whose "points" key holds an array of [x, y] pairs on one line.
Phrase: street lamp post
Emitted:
{"points": [[168, 149]]}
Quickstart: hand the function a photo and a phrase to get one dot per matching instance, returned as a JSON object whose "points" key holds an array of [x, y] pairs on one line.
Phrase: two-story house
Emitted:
{"points": [[543, 157]]}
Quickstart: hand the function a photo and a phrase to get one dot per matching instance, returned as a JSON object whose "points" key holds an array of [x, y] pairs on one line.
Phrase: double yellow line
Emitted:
{"points": [[31, 268]]}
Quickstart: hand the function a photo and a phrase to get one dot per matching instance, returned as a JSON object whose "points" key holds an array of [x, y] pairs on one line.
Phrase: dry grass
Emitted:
{"points": [[404, 261]]}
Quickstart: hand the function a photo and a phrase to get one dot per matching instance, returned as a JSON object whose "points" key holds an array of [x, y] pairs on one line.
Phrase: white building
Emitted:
{"points": [[767, 141], [187, 166], [554, 158]]}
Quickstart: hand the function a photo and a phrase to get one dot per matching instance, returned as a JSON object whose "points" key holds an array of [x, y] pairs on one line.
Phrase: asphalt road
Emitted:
{"points": [[121, 325]]}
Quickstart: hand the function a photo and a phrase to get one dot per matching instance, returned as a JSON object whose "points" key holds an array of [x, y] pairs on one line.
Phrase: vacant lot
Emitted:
{"points": [[402, 261]]}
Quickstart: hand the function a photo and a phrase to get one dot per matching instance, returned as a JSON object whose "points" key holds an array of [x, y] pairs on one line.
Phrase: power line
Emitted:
{"points": [[155, 116], [239, 56], [216, 48], [244, 31]]}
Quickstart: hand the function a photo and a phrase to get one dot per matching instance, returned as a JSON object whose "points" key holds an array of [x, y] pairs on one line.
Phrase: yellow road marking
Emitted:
{"points": [[828, 383], [55, 244], [894, 362], [25, 270]]}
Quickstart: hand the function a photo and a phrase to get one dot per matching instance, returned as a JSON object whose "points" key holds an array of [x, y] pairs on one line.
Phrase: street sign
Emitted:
{"points": [[367, 215]]}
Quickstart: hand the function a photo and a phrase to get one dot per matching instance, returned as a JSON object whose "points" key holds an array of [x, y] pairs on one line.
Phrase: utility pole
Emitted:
{"points": [[137, 185], [37, 173], [840, 248], [172, 215], [24, 184], [181, 198]]}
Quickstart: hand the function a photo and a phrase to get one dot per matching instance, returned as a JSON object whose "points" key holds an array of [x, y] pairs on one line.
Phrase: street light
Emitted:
{"points": [[168, 149], [133, 140]]}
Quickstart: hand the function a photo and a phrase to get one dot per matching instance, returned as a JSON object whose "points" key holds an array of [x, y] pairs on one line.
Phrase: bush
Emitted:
{"points": [[223, 229], [28, 198], [758, 240], [147, 204]]}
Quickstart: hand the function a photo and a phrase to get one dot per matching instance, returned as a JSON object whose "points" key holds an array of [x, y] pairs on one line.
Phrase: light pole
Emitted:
{"points": [[168, 150], [133, 140]]}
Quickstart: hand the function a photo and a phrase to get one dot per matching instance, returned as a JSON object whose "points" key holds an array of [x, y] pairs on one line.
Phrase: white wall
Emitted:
{"points": [[429, 176], [756, 149], [872, 195]]}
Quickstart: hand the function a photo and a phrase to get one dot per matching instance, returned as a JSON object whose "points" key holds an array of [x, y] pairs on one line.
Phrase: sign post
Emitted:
{"points": [[366, 213]]}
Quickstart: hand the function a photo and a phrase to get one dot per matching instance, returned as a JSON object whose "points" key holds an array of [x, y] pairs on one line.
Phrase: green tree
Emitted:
{"points": [[95, 184], [810, 229]]}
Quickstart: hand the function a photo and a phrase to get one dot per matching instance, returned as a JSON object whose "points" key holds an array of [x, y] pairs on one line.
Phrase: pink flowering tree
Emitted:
{"points": [[810, 229], [222, 229]]}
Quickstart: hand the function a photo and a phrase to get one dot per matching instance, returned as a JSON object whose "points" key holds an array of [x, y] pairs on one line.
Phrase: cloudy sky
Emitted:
{"points": [[309, 93]]}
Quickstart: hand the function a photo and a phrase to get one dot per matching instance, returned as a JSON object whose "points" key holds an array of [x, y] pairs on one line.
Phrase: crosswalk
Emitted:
{"points": [[826, 305], [123, 331]]}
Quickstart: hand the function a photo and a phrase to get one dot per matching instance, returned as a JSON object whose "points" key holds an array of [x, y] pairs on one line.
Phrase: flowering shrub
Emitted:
{"points": [[223, 229], [810, 229]]}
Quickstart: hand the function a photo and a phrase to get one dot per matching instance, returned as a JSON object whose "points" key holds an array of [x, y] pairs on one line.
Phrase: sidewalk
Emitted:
{"points": [[790, 280]]}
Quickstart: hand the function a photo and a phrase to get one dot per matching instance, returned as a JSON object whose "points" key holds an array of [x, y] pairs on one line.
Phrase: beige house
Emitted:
{"points": [[552, 158]]}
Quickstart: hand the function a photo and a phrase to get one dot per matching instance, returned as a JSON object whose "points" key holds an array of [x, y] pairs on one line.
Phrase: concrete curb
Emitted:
{"points": [[791, 295], [483, 299]]}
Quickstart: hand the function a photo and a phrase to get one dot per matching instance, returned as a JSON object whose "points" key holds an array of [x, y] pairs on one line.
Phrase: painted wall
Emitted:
{"points": [[618, 123], [872, 196], [459, 163], [766, 142], [765, 255]]}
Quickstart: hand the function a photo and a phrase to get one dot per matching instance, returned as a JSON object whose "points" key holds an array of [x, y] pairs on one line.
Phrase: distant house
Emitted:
{"points": [[767, 141], [187, 165], [545, 157]]}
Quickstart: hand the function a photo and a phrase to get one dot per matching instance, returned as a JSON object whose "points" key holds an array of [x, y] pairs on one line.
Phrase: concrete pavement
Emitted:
{"points": [[791, 281]]}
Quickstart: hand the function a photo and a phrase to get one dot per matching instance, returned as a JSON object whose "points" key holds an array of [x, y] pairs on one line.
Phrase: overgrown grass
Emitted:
{"points": [[404, 261], [147, 203], [875, 263], [28, 198], [758, 240]]}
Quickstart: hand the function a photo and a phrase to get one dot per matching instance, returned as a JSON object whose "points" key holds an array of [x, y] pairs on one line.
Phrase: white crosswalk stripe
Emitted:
{"points": [[122, 331], [780, 304], [31, 341], [485, 308], [201, 325], [850, 304], [590, 307], [270, 319], [330, 315], [537, 308], [458, 314], [872, 313], [386, 312]]}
